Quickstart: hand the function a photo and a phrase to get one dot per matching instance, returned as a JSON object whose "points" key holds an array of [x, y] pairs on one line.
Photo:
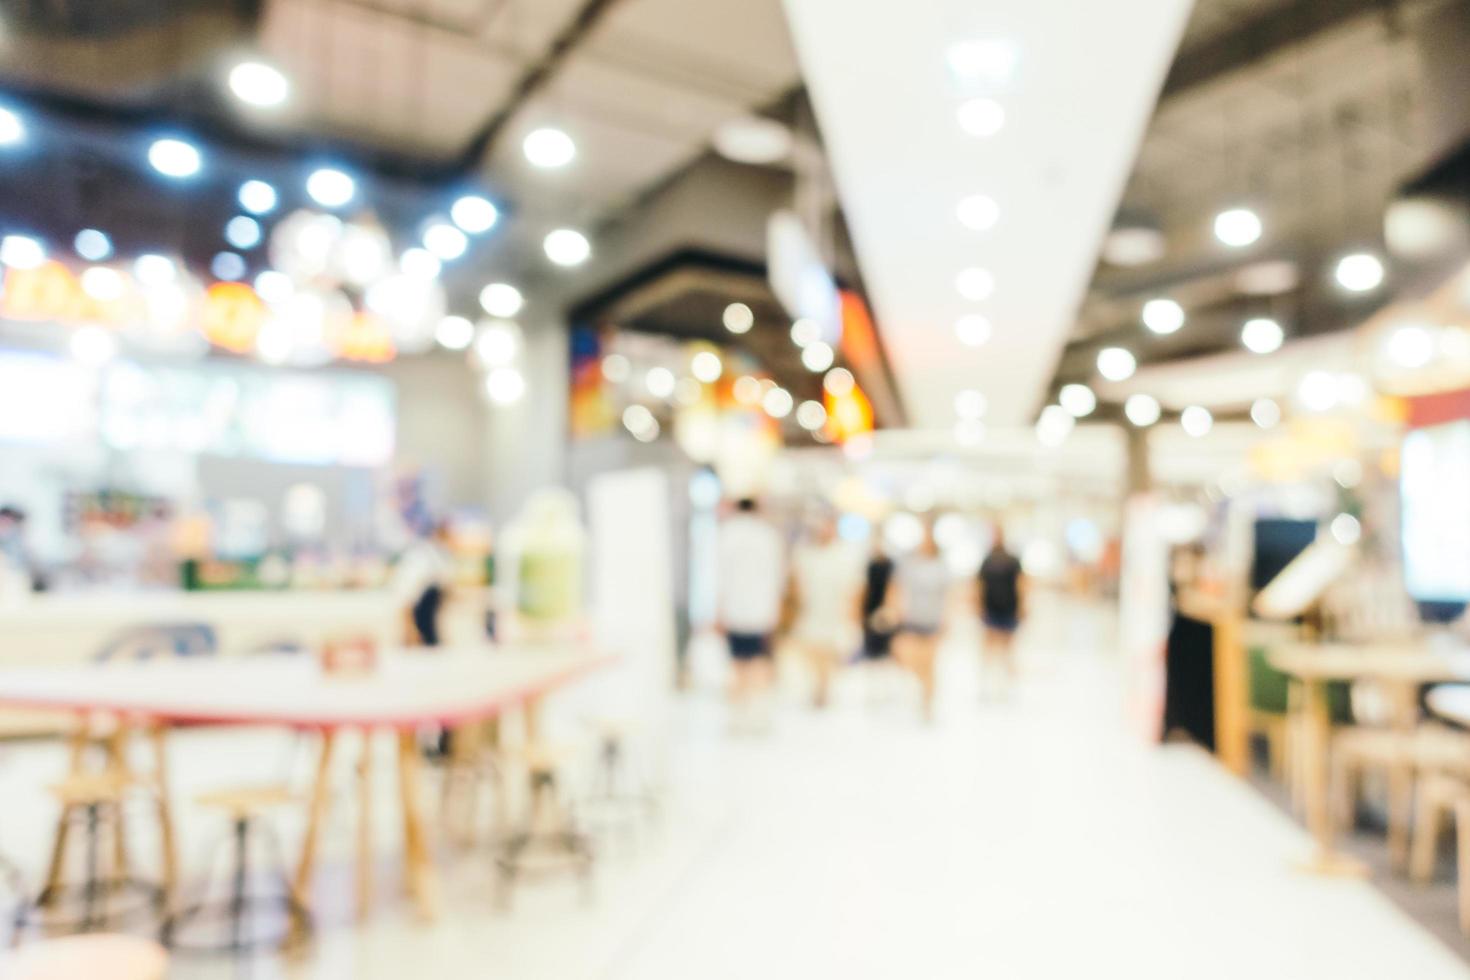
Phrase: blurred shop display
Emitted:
{"points": [[541, 561]]}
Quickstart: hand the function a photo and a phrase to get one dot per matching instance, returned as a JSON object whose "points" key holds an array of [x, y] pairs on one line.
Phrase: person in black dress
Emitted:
{"points": [[1001, 584]]}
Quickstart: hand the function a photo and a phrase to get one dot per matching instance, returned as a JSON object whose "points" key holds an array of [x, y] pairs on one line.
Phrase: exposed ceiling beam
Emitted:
{"points": [[1259, 37], [533, 80]]}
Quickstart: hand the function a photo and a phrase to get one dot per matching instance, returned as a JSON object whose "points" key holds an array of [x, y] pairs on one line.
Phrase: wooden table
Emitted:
{"points": [[1403, 667], [411, 688]]}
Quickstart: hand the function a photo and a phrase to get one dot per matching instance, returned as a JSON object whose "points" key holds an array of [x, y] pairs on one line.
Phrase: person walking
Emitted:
{"points": [[825, 577], [1001, 584], [923, 582], [419, 580], [751, 583]]}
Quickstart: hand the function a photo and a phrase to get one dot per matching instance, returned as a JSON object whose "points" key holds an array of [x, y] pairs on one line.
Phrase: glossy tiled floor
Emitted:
{"points": [[1031, 838]]}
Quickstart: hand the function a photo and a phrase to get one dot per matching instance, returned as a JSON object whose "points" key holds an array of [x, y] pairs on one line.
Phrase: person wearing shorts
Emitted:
{"points": [[1001, 583], [824, 576], [751, 584], [923, 590]]}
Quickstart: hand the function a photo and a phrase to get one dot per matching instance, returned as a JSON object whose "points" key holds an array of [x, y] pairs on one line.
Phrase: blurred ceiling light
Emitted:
{"points": [[1424, 227], [364, 255], [1116, 363], [616, 368], [549, 148], [454, 333], [505, 385], [242, 232], [227, 266], [978, 212], [1265, 413], [748, 390], [982, 59], [970, 404], [419, 263], [975, 284], [1077, 399], [566, 247], [152, 269], [260, 85], [754, 140], [1196, 420], [445, 241], [1359, 272], [1267, 278], [639, 421], [103, 284], [274, 287], [1142, 410], [92, 245], [497, 343], [707, 366], [738, 318], [501, 299], [1163, 316], [777, 403], [330, 187], [21, 252], [981, 117], [1134, 246], [1054, 425], [972, 329], [1238, 227], [174, 158], [805, 331], [817, 357], [474, 214], [1262, 335], [811, 416], [1346, 530], [838, 383], [257, 197], [12, 130], [93, 344], [660, 382], [1317, 391], [1410, 345]]}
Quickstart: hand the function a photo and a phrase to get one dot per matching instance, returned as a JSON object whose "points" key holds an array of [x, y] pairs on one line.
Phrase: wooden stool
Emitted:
{"points": [[245, 808], [86, 958], [94, 799], [548, 830]]}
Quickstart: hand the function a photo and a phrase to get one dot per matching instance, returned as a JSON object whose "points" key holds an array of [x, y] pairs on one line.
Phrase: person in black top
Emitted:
{"points": [[1001, 584], [878, 625]]}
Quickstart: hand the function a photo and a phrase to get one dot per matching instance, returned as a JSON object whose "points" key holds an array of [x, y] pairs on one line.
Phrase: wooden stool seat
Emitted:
{"points": [[247, 801], [86, 958], [91, 788]]}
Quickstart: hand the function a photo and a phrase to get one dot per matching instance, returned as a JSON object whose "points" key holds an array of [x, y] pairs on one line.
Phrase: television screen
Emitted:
{"points": [[1434, 481]]}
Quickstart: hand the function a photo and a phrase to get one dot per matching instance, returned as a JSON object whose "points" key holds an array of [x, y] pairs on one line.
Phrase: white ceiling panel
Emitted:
{"points": [[1084, 84]]}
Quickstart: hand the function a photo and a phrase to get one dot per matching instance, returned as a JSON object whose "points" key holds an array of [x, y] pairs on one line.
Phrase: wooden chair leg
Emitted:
{"points": [[365, 827], [1428, 822], [1462, 859], [1400, 814]]}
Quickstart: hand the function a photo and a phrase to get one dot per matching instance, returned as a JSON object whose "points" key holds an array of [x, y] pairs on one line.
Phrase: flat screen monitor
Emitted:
{"points": [[1434, 483], [1278, 542]]}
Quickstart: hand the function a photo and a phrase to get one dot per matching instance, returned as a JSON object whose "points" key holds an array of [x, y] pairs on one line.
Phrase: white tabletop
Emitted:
{"points": [[1409, 661], [409, 687]]}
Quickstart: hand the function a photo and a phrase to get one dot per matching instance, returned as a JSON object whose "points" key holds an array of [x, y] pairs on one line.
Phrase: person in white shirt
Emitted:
{"points": [[419, 580], [752, 583], [826, 576]]}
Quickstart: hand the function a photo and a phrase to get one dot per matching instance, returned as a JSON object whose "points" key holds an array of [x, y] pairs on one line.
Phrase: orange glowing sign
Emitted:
{"points": [[233, 316], [365, 337], [848, 415], [51, 292]]}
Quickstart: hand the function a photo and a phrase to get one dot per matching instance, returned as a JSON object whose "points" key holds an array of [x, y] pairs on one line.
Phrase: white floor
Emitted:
{"points": [[1031, 838]]}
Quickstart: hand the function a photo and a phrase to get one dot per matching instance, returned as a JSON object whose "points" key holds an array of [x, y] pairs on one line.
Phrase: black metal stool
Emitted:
{"points": [[95, 802], [234, 916], [549, 839], [620, 796]]}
